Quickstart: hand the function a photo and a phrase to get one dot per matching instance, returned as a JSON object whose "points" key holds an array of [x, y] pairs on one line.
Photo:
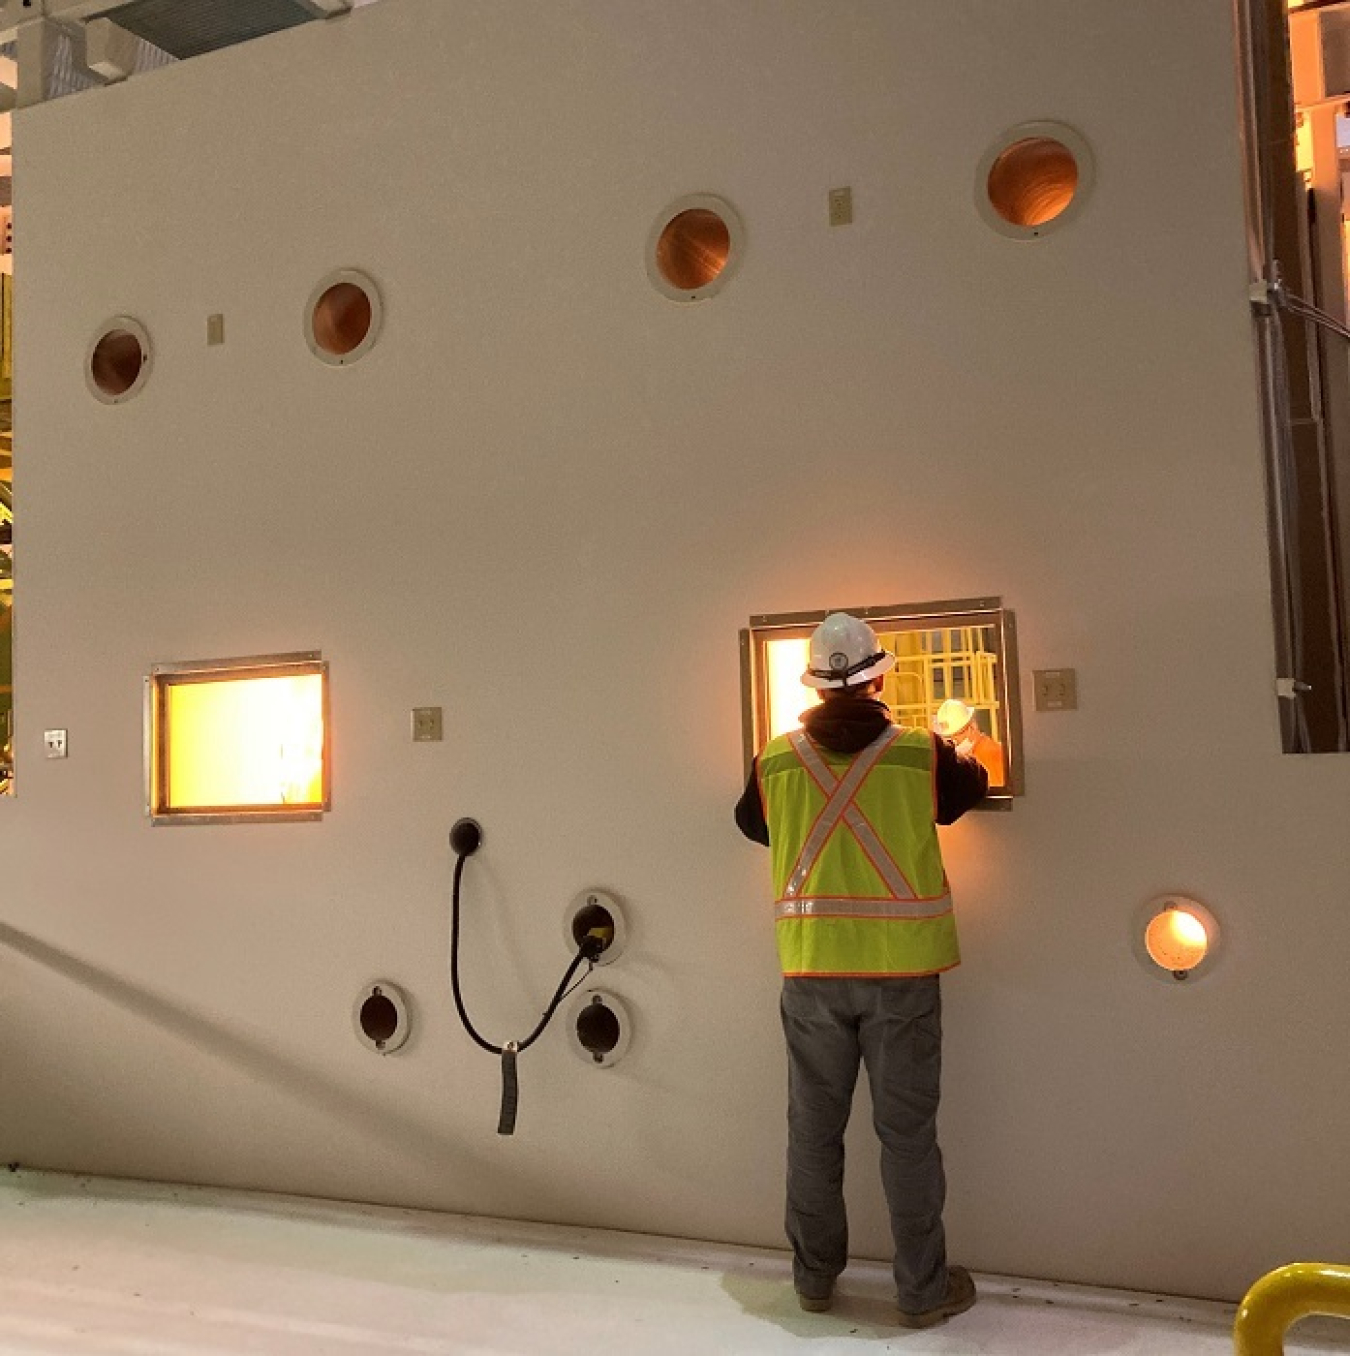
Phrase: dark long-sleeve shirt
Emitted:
{"points": [[848, 725]]}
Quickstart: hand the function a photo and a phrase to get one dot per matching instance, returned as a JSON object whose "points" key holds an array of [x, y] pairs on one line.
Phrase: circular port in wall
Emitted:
{"points": [[599, 1028], [694, 247], [1033, 179], [1175, 938], [595, 915], [380, 1015], [117, 365], [342, 317]]}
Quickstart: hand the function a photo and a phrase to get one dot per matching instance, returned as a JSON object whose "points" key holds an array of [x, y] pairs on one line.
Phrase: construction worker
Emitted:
{"points": [[847, 807], [958, 722]]}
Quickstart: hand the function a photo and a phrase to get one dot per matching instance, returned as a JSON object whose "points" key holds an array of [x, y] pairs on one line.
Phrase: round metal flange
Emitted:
{"points": [[599, 1028], [592, 908], [696, 240], [118, 361], [1035, 134], [380, 1016], [339, 327], [1156, 909]]}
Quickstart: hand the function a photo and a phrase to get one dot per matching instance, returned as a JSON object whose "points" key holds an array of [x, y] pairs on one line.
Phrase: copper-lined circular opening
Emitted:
{"points": [[693, 249], [695, 245], [118, 361], [1033, 181], [342, 319]]}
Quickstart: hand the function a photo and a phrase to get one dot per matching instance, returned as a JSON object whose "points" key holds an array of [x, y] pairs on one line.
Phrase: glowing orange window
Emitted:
{"points": [[955, 673], [238, 740]]}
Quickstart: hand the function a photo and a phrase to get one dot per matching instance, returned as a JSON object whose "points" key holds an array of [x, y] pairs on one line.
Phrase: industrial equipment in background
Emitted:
{"points": [[594, 930], [1294, 74], [6, 526]]}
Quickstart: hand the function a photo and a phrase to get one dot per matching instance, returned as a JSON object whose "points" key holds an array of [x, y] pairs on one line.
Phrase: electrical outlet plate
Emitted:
{"points": [[427, 725], [1056, 689], [54, 741]]}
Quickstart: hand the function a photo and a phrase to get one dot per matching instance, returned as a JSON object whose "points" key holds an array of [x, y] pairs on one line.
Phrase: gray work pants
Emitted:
{"points": [[895, 1027]]}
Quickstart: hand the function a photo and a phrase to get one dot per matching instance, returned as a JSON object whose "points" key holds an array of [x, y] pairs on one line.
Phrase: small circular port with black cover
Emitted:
{"points": [[593, 928], [379, 1019], [380, 1016], [600, 1027], [598, 1030], [594, 923]]}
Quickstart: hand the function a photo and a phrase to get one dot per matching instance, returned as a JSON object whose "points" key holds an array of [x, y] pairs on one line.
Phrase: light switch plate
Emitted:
{"points": [[841, 207], [427, 724], [1056, 689], [54, 741]]}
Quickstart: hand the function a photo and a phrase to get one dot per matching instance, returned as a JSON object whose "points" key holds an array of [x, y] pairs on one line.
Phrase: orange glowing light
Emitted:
{"points": [[786, 661], [243, 743], [1176, 940]]}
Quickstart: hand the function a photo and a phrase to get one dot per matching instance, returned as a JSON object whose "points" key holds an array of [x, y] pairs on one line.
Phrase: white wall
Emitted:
{"points": [[548, 500]]}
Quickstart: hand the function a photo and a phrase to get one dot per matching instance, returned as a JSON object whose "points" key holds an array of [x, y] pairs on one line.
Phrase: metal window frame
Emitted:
{"points": [[165, 676], [897, 617]]}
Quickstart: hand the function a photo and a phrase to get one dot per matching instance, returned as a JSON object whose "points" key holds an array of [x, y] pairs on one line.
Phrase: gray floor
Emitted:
{"points": [[89, 1265]]}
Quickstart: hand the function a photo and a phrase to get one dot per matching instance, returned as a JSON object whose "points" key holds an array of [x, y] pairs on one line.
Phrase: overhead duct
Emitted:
{"points": [[188, 28], [64, 46]]}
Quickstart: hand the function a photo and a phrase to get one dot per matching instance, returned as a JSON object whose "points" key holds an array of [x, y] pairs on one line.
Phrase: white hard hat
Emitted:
{"points": [[845, 653], [952, 717]]}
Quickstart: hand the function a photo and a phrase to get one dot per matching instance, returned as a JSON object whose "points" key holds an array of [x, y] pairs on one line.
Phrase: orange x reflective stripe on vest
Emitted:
{"points": [[842, 808], [858, 871]]}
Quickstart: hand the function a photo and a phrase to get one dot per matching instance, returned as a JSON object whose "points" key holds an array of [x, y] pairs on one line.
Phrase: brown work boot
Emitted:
{"points": [[960, 1297]]}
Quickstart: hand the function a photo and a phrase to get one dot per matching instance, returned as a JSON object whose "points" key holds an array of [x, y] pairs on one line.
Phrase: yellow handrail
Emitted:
{"points": [[1282, 1297]]}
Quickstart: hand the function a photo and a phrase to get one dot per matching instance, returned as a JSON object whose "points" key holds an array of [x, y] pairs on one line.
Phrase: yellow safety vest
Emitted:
{"points": [[857, 871]]}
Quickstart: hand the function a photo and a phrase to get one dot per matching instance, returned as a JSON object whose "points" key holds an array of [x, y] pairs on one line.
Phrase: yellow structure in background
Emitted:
{"points": [[935, 665], [244, 743], [1279, 1299], [932, 665]]}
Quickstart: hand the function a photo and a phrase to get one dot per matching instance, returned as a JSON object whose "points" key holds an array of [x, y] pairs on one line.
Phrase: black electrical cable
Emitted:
{"points": [[464, 840], [583, 954]]}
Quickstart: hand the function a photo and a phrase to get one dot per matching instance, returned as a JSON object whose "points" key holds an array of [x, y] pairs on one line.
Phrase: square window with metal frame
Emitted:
{"points": [[238, 740], [955, 674]]}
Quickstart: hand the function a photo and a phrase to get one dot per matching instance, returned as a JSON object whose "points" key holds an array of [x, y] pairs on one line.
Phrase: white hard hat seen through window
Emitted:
{"points": [[952, 717], [845, 653]]}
